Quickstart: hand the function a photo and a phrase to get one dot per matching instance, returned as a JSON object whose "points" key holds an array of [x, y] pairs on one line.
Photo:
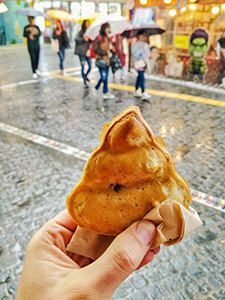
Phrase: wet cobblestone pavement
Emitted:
{"points": [[35, 180]]}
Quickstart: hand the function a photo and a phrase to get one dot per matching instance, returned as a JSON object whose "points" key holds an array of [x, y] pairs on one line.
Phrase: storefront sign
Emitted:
{"points": [[181, 41]]}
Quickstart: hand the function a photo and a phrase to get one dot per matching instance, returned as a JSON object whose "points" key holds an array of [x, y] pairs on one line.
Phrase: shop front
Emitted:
{"points": [[189, 48]]}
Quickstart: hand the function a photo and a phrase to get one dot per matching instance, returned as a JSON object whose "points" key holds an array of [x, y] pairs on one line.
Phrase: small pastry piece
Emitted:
{"points": [[127, 175]]}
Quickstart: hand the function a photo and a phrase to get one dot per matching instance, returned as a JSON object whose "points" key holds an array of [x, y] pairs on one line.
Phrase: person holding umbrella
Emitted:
{"points": [[102, 52], [81, 49], [60, 34], [32, 33], [141, 53]]}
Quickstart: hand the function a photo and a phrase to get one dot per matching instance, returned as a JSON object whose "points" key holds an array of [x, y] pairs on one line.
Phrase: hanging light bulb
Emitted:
{"points": [[215, 10], [223, 6], [167, 1], [3, 7], [193, 1], [173, 12], [192, 6], [183, 9], [143, 2]]}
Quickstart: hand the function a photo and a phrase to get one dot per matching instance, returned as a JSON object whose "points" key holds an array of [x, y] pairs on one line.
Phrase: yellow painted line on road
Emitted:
{"points": [[167, 94]]}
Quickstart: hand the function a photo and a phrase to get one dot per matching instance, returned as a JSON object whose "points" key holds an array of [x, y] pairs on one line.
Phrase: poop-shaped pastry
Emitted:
{"points": [[127, 175]]}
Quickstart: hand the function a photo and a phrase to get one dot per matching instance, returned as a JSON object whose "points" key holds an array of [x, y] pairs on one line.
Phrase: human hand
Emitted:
{"points": [[31, 37], [85, 38], [50, 272]]}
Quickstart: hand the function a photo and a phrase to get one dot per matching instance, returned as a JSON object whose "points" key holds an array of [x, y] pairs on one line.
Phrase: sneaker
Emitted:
{"points": [[145, 96], [137, 94], [38, 73], [63, 72], [86, 86], [122, 79], [34, 76], [108, 96]]}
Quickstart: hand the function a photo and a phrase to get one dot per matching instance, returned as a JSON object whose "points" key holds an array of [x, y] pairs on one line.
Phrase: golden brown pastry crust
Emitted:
{"points": [[128, 174]]}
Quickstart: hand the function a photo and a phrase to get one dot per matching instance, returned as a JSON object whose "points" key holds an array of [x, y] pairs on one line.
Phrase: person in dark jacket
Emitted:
{"points": [[60, 34], [32, 33], [81, 49], [102, 54]]}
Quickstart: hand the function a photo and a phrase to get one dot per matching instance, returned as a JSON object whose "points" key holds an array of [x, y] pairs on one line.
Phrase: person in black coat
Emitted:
{"points": [[33, 33], [82, 49], [60, 34]]}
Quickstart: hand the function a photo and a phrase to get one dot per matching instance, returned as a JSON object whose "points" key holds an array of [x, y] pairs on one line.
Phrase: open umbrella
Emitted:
{"points": [[133, 31], [59, 14], [117, 25], [30, 11], [3, 7], [91, 18], [143, 19]]}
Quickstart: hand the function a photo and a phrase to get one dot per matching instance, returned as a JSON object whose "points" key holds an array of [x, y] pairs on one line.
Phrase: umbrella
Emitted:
{"points": [[143, 19], [3, 7], [30, 11], [60, 14], [152, 30], [117, 25], [91, 18]]}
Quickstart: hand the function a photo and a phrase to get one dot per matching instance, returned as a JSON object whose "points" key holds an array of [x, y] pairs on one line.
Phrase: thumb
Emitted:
{"points": [[123, 256]]}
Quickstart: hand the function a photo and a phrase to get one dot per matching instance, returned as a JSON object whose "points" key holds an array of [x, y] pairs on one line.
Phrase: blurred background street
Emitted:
{"points": [[48, 127]]}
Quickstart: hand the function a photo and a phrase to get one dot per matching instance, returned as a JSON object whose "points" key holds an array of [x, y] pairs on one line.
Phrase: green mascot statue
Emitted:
{"points": [[198, 47]]}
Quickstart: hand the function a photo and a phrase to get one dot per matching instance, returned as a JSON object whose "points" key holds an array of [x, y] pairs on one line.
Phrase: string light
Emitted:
{"points": [[215, 10], [173, 12], [143, 2], [223, 6], [167, 1], [192, 6], [183, 9]]}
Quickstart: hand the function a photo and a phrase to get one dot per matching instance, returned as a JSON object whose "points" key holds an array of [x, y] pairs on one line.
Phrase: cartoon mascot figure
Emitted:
{"points": [[198, 47]]}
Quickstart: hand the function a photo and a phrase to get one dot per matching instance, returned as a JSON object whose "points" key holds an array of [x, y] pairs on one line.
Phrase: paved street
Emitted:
{"points": [[35, 179]]}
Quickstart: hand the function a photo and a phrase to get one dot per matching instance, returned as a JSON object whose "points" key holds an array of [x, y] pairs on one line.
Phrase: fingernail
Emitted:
{"points": [[145, 232]]}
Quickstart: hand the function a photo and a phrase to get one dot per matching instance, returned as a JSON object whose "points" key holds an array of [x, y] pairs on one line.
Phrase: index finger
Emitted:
{"points": [[65, 220]]}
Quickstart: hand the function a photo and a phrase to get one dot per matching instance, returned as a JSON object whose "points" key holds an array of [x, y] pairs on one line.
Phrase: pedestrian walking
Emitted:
{"points": [[102, 52], [82, 50], [141, 53], [60, 34], [33, 33]]}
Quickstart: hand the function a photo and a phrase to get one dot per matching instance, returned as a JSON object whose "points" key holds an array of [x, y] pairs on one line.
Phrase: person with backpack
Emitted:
{"points": [[60, 34], [101, 48], [141, 53], [82, 49]]}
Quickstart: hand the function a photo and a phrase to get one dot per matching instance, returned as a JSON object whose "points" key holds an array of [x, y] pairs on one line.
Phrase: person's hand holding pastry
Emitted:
{"points": [[129, 200]]}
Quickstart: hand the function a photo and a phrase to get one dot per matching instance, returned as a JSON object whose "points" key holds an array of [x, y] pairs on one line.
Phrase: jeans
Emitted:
{"points": [[140, 82], [104, 73], [34, 57], [84, 59], [61, 55]]}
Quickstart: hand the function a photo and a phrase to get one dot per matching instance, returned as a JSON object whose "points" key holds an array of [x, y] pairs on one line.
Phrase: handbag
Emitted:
{"points": [[115, 63], [139, 64], [101, 63], [55, 45]]}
